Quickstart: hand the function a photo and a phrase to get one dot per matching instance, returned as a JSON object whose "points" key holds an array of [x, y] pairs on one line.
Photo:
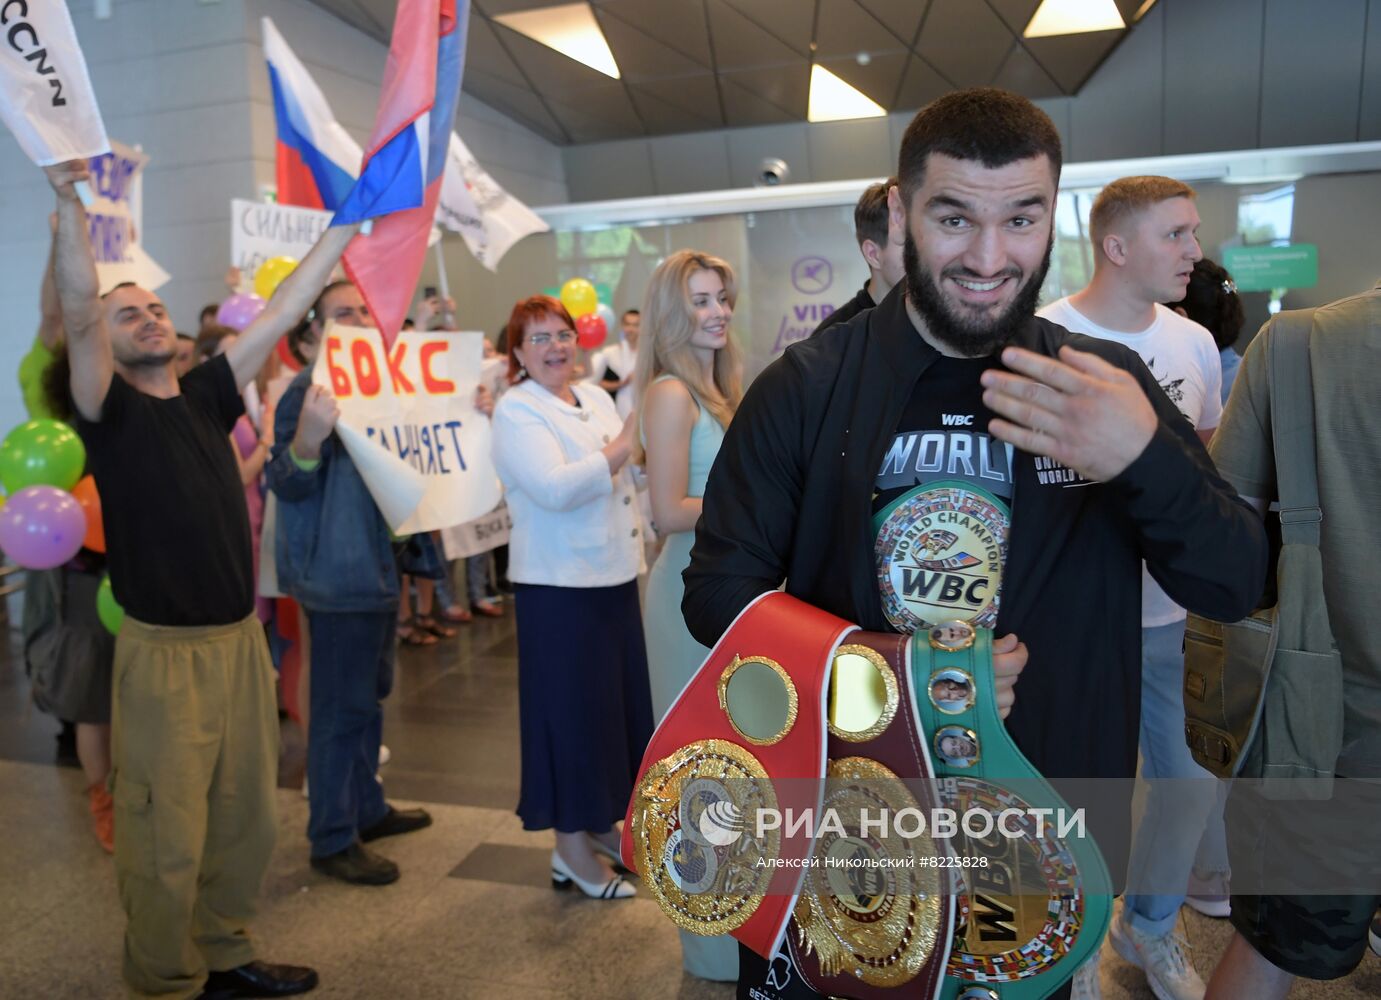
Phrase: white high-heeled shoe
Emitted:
{"points": [[617, 887]]}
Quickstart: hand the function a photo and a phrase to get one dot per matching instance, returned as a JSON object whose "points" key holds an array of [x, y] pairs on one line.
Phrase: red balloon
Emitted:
{"points": [[285, 355], [590, 331], [86, 495]]}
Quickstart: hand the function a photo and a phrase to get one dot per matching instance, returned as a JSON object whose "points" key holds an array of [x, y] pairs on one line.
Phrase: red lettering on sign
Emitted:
{"points": [[430, 382], [340, 379], [395, 368], [366, 368]]}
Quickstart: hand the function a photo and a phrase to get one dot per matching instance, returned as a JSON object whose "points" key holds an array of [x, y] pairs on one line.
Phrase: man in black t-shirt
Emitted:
{"points": [[195, 729]]}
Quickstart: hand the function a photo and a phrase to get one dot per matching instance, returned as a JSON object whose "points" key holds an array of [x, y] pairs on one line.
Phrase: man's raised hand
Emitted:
{"points": [[1079, 410], [65, 176]]}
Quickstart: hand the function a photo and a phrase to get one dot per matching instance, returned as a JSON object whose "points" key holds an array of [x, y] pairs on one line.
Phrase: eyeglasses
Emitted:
{"points": [[544, 338]]}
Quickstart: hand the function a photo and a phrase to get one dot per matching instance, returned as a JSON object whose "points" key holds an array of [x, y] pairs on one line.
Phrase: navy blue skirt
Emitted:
{"points": [[584, 704]]}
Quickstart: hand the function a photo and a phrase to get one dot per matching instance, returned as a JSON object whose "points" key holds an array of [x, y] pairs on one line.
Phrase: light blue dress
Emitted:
{"points": [[673, 657]]}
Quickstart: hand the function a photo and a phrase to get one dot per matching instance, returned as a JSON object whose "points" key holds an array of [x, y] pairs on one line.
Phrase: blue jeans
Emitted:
{"points": [[1182, 826], [352, 673]]}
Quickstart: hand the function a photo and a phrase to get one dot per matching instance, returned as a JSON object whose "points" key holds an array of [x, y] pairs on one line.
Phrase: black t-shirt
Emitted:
{"points": [[177, 529], [942, 504]]}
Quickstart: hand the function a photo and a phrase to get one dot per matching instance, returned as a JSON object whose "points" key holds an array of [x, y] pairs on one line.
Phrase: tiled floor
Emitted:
{"points": [[473, 915]]}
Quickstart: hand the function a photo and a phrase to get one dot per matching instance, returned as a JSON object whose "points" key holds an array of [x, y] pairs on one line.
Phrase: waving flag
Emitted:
{"points": [[406, 158], [45, 94], [475, 205], [317, 160]]}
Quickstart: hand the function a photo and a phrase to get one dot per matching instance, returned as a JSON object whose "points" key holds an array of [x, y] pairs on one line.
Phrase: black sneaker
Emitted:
{"points": [[1374, 934], [358, 865]]}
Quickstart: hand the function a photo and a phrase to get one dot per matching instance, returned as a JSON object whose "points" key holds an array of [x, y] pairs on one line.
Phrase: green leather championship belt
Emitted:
{"points": [[1035, 903]]}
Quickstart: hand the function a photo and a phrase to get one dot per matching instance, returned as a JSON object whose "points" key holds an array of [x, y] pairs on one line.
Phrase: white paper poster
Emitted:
{"points": [[115, 217], [408, 420], [260, 230]]}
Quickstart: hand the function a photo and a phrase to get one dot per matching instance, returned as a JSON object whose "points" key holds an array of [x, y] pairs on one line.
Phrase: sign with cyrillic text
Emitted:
{"points": [[260, 230], [114, 218], [408, 419]]}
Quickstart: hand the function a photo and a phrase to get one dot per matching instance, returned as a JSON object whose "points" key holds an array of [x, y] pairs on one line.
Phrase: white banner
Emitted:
{"points": [[408, 420], [115, 216], [473, 204], [45, 93], [260, 230], [483, 534]]}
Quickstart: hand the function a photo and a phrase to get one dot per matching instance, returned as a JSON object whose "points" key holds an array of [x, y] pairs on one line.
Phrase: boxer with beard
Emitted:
{"points": [[949, 456]]}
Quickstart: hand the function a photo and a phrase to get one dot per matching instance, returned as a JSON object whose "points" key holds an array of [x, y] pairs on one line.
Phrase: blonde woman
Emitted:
{"points": [[688, 383]]}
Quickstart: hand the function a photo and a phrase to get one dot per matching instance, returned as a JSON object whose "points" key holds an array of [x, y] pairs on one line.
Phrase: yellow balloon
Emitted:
{"points": [[579, 297], [271, 274]]}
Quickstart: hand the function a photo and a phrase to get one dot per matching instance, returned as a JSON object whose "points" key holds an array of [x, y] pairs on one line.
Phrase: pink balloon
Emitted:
{"points": [[238, 311], [41, 527]]}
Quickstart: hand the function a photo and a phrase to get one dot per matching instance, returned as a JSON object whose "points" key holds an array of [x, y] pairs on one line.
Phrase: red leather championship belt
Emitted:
{"points": [[745, 739]]}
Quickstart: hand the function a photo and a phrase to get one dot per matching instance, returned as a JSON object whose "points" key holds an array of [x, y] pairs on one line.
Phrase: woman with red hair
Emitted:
{"points": [[575, 553]]}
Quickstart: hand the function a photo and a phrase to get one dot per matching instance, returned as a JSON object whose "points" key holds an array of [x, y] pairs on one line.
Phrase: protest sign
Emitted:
{"points": [[483, 534], [475, 205], [408, 420], [260, 230], [115, 218]]}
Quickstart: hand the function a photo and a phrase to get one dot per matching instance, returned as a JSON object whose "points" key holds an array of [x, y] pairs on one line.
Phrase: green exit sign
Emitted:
{"points": [[1260, 269]]}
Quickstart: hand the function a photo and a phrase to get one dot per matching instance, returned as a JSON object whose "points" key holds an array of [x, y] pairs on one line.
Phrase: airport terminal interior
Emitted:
{"points": [[724, 180]]}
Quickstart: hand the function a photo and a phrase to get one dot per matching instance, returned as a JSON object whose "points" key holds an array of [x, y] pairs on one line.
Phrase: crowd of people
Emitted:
{"points": [[652, 447]]}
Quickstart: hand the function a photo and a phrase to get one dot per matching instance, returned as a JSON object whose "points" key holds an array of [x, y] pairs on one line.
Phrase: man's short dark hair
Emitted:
{"points": [[630, 312], [995, 127], [870, 214], [123, 284]]}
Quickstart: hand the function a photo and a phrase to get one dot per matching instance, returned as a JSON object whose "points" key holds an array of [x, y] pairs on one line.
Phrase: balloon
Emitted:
{"points": [[606, 313], [285, 355], [590, 331], [41, 453], [86, 495], [238, 311], [111, 614], [271, 274], [42, 527], [579, 297]]}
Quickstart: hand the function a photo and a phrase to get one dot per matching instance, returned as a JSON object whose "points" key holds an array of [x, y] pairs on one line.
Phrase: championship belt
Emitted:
{"points": [[1032, 905], [876, 909], [745, 738]]}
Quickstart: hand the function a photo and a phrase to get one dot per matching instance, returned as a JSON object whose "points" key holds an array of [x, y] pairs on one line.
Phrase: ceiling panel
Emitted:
{"points": [[1071, 58], [965, 41], [791, 21], [1021, 72], [640, 56], [741, 44], [845, 28], [690, 65], [902, 17], [679, 24]]}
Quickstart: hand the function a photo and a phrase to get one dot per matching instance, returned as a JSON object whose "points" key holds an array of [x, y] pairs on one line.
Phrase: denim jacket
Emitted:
{"points": [[333, 546]]}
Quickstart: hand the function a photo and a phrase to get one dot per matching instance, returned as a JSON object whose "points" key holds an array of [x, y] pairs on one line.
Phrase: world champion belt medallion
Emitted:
{"points": [[694, 839], [869, 906], [940, 552]]}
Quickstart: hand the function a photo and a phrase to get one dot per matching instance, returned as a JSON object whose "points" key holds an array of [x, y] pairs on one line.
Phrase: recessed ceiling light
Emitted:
{"points": [[1071, 17], [833, 100], [570, 29]]}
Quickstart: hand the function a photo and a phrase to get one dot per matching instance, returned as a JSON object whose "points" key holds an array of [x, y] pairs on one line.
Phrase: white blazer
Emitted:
{"points": [[574, 525]]}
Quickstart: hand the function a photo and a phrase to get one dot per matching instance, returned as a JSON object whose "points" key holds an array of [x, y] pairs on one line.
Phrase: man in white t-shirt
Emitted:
{"points": [[613, 367], [1144, 253]]}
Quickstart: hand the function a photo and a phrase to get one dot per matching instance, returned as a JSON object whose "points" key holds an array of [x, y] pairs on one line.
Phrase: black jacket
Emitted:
{"points": [[789, 498], [863, 300]]}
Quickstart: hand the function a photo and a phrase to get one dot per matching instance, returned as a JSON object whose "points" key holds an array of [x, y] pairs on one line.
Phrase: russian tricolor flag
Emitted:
{"points": [[406, 158], [317, 160]]}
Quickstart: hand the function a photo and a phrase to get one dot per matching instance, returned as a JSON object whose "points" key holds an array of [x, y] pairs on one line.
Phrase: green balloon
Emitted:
{"points": [[111, 614], [41, 453]]}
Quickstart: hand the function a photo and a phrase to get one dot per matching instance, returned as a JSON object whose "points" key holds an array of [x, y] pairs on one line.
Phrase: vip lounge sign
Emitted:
{"points": [[115, 216], [260, 230], [408, 420]]}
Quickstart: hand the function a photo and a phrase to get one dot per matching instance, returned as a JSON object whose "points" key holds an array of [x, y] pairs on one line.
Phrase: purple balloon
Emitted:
{"points": [[238, 311], [41, 527]]}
